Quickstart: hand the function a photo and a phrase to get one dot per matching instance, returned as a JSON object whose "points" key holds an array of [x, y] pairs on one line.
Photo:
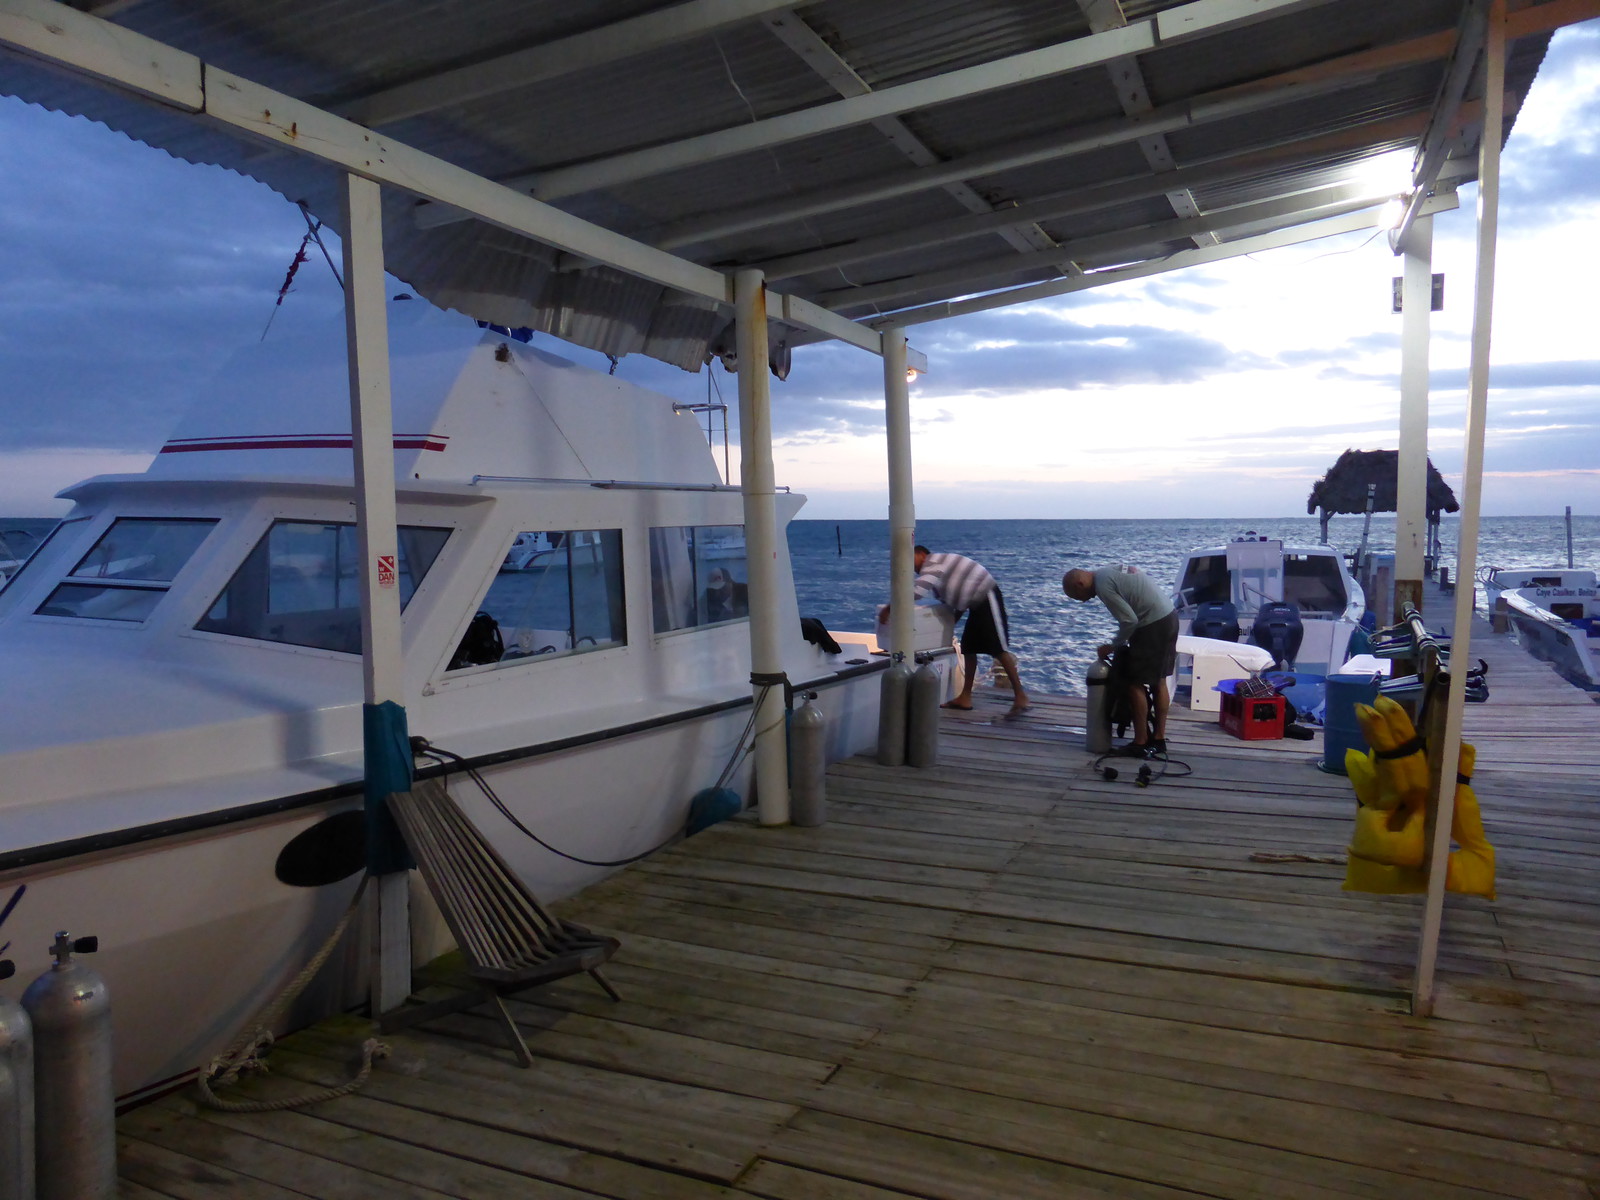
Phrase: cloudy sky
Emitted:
{"points": [[126, 276]]}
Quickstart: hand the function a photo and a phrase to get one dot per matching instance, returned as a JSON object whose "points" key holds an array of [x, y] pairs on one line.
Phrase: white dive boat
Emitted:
{"points": [[184, 684], [1300, 603], [1555, 612]]}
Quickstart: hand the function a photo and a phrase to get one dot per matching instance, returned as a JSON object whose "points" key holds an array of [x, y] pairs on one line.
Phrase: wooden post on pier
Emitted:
{"points": [[1494, 89], [386, 757]]}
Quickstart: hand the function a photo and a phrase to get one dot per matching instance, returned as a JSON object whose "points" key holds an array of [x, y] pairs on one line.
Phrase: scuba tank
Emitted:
{"points": [[16, 1096], [1098, 715], [922, 742], [75, 1150], [808, 764], [894, 698]]}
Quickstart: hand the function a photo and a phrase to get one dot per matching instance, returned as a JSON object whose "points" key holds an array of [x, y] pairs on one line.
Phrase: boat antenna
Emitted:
{"points": [[313, 234]]}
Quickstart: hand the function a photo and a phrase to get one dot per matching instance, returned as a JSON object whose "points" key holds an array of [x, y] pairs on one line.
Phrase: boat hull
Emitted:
{"points": [[197, 933]]}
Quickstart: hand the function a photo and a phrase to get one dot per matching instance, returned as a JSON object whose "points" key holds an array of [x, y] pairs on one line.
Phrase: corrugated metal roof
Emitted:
{"points": [[896, 210]]}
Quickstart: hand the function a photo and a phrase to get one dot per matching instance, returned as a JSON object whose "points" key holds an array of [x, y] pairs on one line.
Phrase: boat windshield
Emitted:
{"points": [[128, 569], [1311, 581], [1314, 583], [300, 585], [1205, 580]]}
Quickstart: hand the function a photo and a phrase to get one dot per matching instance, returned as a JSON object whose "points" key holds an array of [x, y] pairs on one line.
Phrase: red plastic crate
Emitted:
{"points": [[1252, 720]]}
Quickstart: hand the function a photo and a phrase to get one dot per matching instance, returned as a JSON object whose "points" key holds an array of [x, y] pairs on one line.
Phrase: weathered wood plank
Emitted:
{"points": [[1007, 976]]}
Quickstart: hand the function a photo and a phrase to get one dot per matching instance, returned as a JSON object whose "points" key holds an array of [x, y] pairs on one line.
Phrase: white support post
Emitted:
{"points": [[1494, 57], [756, 480], [372, 427], [1411, 501], [902, 514]]}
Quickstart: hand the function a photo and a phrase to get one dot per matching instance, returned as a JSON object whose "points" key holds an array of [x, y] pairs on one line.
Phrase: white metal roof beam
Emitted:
{"points": [[85, 45], [1240, 220], [822, 58], [564, 56], [1184, 258], [1185, 23], [1465, 66], [1434, 146], [1240, 100], [1066, 204], [1127, 77]]}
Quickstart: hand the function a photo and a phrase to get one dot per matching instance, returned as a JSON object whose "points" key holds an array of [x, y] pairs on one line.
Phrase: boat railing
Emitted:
{"points": [[619, 484]]}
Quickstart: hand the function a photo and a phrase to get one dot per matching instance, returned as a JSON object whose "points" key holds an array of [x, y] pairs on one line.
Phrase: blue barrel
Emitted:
{"points": [[1340, 729]]}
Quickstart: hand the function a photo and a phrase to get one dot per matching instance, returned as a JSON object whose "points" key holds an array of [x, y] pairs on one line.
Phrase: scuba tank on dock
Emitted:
{"points": [[922, 736], [1097, 715], [16, 1096], [894, 701], [75, 1151], [808, 763]]}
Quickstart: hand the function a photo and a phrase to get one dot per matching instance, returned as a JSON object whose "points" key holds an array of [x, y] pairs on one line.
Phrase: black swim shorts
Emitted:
{"points": [[986, 631], [1151, 653]]}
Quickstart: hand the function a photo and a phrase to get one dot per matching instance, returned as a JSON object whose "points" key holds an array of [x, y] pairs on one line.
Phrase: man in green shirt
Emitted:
{"points": [[1145, 649]]}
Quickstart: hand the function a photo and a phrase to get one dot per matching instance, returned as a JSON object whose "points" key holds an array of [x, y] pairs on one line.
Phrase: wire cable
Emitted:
{"points": [[445, 758]]}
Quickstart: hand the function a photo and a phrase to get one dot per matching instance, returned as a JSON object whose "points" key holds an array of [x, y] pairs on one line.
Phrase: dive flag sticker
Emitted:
{"points": [[386, 570]]}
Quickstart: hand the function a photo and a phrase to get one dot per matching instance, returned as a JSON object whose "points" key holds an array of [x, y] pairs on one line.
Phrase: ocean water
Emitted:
{"points": [[841, 568]]}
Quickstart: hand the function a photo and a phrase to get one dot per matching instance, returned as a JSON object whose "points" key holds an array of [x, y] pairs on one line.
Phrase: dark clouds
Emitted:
{"points": [[129, 277], [837, 390], [1549, 186]]}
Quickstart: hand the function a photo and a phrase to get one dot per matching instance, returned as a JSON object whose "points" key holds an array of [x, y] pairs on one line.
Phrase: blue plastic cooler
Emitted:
{"points": [[1340, 729]]}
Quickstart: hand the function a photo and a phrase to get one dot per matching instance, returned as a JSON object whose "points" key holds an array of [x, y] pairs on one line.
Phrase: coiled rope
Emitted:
{"points": [[245, 1054]]}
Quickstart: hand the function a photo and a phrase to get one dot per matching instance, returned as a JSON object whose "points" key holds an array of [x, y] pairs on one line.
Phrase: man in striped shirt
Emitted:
{"points": [[962, 585]]}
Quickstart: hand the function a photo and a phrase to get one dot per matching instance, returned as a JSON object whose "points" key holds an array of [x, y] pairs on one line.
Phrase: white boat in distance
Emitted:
{"points": [[184, 689], [1300, 603], [1555, 613]]}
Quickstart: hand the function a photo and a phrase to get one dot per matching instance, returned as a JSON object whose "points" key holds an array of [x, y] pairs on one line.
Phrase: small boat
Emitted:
{"points": [[1555, 613], [181, 727], [1299, 603]]}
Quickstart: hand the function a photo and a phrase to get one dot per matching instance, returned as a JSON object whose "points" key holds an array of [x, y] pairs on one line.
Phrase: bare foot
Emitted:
{"points": [[1016, 710], [958, 707]]}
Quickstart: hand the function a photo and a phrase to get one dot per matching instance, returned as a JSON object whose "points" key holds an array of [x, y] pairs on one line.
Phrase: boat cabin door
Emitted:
{"points": [[1255, 570]]}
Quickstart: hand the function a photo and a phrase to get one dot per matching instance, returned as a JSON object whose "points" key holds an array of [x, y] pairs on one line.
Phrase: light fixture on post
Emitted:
{"points": [[1393, 212]]}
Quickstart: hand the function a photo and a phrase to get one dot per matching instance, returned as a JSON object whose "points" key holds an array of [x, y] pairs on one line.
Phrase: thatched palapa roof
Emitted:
{"points": [[1344, 488]]}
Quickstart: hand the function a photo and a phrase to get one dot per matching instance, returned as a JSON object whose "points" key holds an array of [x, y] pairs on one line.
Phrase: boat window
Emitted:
{"points": [[1205, 580], [128, 569], [15, 543], [698, 576], [300, 585], [557, 592], [1313, 582]]}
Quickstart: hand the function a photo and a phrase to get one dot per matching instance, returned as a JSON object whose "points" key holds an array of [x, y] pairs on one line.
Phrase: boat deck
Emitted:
{"points": [[1008, 977]]}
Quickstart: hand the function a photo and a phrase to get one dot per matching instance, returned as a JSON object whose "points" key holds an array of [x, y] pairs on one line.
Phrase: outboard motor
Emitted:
{"points": [[16, 1096], [1278, 631], [1217, 619], [1097, 716], [75, 1150]]}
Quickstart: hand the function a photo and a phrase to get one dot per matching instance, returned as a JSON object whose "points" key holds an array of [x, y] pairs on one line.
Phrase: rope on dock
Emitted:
{"points": [[245, 1054]]}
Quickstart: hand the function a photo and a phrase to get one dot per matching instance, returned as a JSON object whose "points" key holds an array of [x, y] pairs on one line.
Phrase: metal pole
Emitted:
{"points": [[1411, 518], [387, 763], [1494, 58], [902, 513], [1569, 537], [756, 480]]}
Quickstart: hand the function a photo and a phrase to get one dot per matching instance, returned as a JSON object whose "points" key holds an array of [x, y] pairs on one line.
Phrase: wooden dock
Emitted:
{"points": [[1006, 977]]}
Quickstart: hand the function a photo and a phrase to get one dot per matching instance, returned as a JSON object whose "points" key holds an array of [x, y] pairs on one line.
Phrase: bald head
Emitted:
{"points": [[1078, 584]]}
